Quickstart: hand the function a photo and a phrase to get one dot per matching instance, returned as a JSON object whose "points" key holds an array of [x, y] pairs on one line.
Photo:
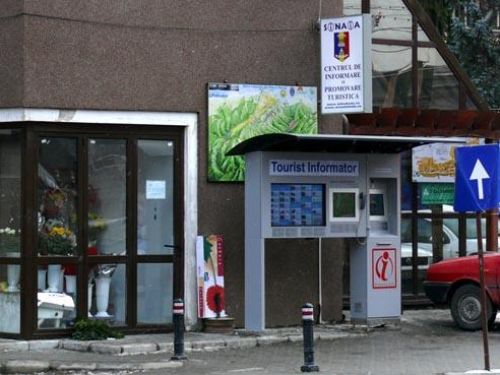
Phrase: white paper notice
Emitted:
{"points": [[155, 189]]}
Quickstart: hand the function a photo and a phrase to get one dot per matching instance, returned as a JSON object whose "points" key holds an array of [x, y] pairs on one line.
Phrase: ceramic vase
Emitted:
{"points": [[54, 277], [89, 300], [70, 284], [13, 274], [102, 284], [42, 280]]}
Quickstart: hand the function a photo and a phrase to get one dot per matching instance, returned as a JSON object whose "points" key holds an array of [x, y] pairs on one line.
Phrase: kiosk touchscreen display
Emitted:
{"points": [[297, 205], [377, 205], [344, 204]]}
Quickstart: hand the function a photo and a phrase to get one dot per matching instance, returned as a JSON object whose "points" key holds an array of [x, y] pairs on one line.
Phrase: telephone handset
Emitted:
{"points": [[362, 201]]}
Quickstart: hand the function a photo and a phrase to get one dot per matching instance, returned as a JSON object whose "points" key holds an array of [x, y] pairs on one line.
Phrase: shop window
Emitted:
{"points": [[10, 231], [107, 197], [10, 193], [10, 298], [57, 197], [107, 293], [56, 297]]}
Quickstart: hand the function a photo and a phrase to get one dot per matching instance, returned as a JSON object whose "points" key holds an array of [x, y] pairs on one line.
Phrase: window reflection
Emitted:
{"points": [[10, 190], [155, 203], [154, 293], [391, 19], [392, 79], [107, 196], [57, 196], [438, 86], [352, 7]]}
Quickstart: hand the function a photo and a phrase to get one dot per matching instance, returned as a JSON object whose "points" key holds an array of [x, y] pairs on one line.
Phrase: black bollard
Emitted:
{"points": [[178, 320], [308, 332]]}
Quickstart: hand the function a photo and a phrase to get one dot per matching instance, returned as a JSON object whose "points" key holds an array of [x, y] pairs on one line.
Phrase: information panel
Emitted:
{"points": [[297, 205]]}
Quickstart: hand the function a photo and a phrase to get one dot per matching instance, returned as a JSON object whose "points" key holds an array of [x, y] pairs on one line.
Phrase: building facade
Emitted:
{"points": [[104, 153], [101, 99]]}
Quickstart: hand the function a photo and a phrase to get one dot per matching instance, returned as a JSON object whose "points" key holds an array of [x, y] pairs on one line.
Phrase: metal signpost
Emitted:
{"points": [[477, 189]]}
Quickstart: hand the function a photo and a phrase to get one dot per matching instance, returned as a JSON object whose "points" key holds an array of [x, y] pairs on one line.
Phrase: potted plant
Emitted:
{"points": [[9, 241], [56, 239]]}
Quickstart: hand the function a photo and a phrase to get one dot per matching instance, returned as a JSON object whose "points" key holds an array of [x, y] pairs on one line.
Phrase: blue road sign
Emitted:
{"points": [[476, 178]]}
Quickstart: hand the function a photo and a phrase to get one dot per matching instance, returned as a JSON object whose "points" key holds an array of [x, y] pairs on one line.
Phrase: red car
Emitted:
{"points": [[455, 282]]}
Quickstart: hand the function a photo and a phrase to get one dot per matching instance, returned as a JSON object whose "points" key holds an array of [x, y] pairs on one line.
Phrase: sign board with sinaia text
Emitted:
{"points": [[346, 72]]}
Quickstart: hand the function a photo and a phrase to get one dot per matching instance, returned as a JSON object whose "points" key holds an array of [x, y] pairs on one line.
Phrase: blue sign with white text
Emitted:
{"points": [[476, 178]]}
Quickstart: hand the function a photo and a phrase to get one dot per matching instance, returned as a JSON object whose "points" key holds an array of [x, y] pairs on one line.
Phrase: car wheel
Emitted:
{"points": [[466, 308]]}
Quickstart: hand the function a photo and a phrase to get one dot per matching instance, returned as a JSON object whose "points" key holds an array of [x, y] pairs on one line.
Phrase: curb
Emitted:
{"points": [[31, 366], [116, 348]]}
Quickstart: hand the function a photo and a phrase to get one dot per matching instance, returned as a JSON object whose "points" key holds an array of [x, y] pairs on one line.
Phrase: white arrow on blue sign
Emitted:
{"points": [[476, 178]]}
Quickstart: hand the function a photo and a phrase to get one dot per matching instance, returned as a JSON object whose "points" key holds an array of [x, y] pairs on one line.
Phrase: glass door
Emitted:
{"points": [[106, 207], [155, 230]]}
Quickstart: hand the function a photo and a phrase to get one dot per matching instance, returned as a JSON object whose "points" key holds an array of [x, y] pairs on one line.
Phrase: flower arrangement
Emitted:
{"points": [[96, 224], [9, 240], [56, 239], [54, 200]]}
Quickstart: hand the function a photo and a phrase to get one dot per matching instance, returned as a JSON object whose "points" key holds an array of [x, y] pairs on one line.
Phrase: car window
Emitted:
{"points": [[471, 231], [424, 231], [405, 230]]}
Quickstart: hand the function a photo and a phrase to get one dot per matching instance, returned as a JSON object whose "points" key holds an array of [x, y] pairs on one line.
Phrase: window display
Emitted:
{"points": [[57, 197]]}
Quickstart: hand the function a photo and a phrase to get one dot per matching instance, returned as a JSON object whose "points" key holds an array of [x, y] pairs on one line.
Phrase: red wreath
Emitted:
{"points": [[215, 298]]}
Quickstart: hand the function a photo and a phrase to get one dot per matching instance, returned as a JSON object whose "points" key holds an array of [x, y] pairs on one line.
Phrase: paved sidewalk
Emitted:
{"points": [[132, 353]]}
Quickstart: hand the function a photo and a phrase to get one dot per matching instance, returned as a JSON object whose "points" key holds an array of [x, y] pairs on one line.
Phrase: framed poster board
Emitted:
{"points": [[237, 112]]}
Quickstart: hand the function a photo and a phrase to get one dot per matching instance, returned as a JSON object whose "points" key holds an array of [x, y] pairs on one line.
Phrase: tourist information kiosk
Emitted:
{"points": [[327, 186]]}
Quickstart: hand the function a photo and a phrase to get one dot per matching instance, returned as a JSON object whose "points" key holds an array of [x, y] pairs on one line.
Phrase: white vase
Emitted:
{"points": [[42, 280], [13, 274], [70, 283], [102, 284], [54, 277], [89, 300]]}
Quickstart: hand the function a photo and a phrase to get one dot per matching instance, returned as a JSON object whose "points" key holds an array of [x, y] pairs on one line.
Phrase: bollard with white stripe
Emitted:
{"points": [[178, 321], [308, 333]]}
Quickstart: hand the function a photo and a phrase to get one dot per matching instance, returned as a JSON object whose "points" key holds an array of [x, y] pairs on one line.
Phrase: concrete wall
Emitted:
{"points": [[160, 55], [11, 53]]}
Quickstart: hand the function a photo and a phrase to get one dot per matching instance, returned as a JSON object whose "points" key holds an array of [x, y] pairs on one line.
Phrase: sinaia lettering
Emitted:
{"points": [[341, 25]]}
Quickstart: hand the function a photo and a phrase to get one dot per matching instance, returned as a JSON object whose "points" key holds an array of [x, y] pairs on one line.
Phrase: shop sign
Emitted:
{"points": [[346, 69], [436, 193], [280, 167], [435, 162]]}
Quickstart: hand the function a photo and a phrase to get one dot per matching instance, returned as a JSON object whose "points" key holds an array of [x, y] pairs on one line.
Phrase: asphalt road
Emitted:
{"points": [[426, 343]]}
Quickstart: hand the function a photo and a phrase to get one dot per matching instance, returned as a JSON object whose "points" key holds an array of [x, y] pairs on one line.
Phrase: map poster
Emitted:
{"points": [[237, 112]]}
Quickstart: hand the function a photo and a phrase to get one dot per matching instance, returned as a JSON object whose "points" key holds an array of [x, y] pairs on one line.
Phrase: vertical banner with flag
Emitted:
{"points": [[346, 67], [210, 276]]}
